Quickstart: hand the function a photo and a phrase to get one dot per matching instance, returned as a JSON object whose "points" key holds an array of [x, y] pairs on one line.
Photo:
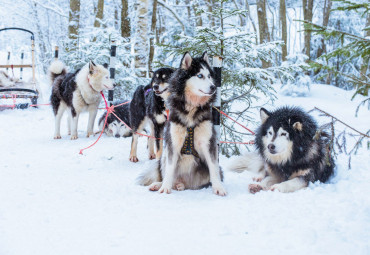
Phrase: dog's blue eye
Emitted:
{"points": [[209, 76], [200, 76], [270, 133]]}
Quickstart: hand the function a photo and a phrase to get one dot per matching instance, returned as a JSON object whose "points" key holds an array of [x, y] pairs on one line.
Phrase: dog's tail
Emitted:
{"points": [[151, 174], [250, 161], [56, 69]]}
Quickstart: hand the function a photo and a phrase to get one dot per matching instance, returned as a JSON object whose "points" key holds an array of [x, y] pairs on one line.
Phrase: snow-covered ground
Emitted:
{"points": [[55, 201]]}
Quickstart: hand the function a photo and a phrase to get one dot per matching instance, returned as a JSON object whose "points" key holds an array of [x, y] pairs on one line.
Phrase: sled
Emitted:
{"points": [[20, 88]]}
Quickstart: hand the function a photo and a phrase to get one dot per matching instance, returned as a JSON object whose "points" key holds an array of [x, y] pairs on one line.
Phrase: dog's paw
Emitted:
{"points": [[278, 187], [219, 190], [254, 188], [74, 137], [165, 189], [57, 137], [134, 159], [180, 186], [90, 134], [151, 156], [155, 186]]}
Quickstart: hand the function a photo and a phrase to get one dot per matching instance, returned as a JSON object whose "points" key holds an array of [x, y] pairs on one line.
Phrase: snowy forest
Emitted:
{"points": [[313, 54]]}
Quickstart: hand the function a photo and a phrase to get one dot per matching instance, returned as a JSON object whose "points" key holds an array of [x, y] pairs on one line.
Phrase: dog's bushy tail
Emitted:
{"points": [[151, 174], [250, 161], [56, 69]]}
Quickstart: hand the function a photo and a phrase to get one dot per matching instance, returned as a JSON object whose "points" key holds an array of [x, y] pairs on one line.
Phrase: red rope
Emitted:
{"points": [[234, 121]]}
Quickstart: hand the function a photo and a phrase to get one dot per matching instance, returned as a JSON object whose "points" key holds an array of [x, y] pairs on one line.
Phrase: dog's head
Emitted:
{"points": [[159, 82], [116, 129], [195, 80], [98, 77], [283, 131]]}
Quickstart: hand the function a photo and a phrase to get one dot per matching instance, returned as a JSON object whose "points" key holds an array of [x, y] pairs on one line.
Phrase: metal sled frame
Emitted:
{"points": [[21, 92]]}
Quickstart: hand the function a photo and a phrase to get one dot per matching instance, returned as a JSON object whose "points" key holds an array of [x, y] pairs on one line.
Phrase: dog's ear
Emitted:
{"points": [[205, 57], [186, 61], [264, 114], [91, 67], [298, 126]]}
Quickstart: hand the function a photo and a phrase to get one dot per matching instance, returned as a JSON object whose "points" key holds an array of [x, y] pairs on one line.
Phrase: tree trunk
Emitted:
{"points": [[141, 44], [125, 21], [263, 26], [74, 24], [250, 18], [152, 34], [99, 14], [284, 34], [307, 15], [210, 9], [325, 21], [199, 21]]}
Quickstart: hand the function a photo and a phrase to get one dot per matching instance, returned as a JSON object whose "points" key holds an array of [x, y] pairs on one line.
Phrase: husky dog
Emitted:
{"points": [[190, 157], [115, 127], [77, 92], [6, 80], [148, 107], [291, 152]]}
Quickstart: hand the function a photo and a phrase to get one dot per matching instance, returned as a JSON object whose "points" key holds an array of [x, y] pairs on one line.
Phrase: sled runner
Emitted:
{"points": [[11, 88]]}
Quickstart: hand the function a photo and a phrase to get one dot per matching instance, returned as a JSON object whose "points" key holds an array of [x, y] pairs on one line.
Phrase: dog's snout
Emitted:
{"points": [[212, 88], [271, 147], [156, 87], [117, 136]]}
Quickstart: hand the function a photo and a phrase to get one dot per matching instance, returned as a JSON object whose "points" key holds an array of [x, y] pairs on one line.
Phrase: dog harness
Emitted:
{"points": [[188, 147]]}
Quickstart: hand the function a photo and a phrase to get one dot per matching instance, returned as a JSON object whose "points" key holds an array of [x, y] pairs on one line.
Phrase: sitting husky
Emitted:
{"points": [[148, 107], [290, 152], [115, 127], [190, 157], [77, 92]]}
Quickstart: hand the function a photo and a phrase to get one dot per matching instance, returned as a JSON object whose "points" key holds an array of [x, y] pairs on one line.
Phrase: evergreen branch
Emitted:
{"points": [[329, 115]]}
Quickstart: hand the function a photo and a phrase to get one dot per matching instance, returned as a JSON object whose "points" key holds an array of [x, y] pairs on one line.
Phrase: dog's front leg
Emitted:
{"points": [[74, 135], [291, 185], [214, 175], [171, 163], [93, 110]]}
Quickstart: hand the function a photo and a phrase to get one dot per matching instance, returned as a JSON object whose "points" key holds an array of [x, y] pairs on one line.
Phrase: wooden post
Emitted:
{"points": [[22, 57], [56, 53], [33, 59], [217, 67], [7, 61], [112, 69]]}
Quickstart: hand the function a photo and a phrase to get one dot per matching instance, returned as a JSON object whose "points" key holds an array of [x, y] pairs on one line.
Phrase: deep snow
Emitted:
{"points": [[55, 201]]}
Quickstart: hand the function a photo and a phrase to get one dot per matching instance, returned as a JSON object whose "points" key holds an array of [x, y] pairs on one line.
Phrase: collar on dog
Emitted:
{"points": [[147, 91], [188, 147]]}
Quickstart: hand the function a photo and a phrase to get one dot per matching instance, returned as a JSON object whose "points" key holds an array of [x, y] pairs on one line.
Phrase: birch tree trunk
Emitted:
{"points": [[307, 6], [99, 14], [74, 24], [263, 26], [152, 35], [125, 20], [283, 29], [141, 43]]}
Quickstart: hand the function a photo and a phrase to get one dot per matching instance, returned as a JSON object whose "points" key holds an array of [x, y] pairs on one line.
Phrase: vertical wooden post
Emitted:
{"points": [[33, 59], [217, 67], [22, 57], [56, 53], [112, 69]]}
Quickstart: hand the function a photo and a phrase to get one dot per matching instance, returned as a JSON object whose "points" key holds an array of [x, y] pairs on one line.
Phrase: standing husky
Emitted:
{"points": [[148, 107], [291, 152], [77, 92], [190, 157], [115, 127]]}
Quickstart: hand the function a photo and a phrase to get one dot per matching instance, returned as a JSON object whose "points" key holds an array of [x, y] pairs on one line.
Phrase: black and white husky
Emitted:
{"points": [[291, 152], [77, 92], [190, 157], [148, 108], [115, 127]]}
